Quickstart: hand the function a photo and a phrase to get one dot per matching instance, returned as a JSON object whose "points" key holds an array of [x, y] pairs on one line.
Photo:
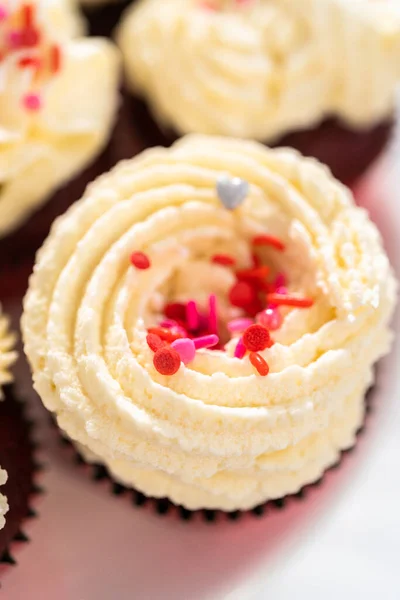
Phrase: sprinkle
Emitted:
{"points": [[14, 39], [192, 315], [29, 61], [271, 318], [55, 59], [206, 341], [241, 294], [256, 260], [175, 311], [254, 273], [259, 363], [27, 11], [186, 349], [154, 341], [256, 338], [232, 191], [240, 349], [286, 300], [165, 334], [280, 280], [167, 361], [239, 324], [223, 259], [269, 240], [30, 38], [140, 260], [212, 313], [32, 102]]}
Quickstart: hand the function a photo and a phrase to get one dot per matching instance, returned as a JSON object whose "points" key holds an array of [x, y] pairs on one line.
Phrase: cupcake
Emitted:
{"points": [[18, 468], [205, 322], [7, 357], [318, 75], [58, 98]]}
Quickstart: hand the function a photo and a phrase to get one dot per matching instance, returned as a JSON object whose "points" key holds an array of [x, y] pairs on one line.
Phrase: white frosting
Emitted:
{"points": [[263, 68], [7, 355], [41, 150], [3, 500], [216, 434]]}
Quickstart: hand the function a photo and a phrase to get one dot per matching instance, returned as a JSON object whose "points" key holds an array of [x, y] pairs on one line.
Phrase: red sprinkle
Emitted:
{"points": [[165, 334], [55, 59], [30, 37], [269, 240], [241, 294], [259, 363], [287, 300], [32, 102], [154, 341], [167, 361], [254, 273], [256, 338], [223, 259], [28, 11], [175, 311], [140, 260], [29, 61]]}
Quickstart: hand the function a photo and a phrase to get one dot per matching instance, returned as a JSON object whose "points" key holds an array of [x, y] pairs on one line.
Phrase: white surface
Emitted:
{"points": [[343, 542]]}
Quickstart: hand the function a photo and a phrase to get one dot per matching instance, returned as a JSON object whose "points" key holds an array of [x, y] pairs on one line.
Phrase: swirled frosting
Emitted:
{"points": [[215, 434], [58, 97], [7, 354], [262, 68], [3, 500]]}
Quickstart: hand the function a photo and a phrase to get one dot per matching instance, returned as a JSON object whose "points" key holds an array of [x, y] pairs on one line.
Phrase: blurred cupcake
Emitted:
{"points": [[205, 321], [16, 453], [7, 357], [58, 98], [316, 74]]}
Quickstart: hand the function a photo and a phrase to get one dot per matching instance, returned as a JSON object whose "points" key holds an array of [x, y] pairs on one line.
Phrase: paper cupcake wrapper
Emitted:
{"points": [[18, 456], [163, 506]]}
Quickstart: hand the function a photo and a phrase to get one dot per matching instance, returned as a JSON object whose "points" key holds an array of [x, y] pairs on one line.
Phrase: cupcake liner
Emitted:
{"points": [[18, 458], [163, 506]]}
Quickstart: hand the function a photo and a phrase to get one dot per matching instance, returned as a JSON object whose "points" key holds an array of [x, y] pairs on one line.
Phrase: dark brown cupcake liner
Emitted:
{"points": [[18, 456], [164, 506]]}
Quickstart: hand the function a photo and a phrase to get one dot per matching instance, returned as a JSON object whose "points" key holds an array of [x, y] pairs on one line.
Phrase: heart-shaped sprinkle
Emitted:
{"points": [[232, 191]]}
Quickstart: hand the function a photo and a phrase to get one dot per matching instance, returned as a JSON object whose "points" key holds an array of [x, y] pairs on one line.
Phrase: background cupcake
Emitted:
{"points": [[58, 100], [272, 71], [210, 316], [18, 468]]}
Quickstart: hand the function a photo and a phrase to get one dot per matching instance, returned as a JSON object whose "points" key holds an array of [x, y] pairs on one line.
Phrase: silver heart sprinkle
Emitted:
{"points": [[232, 191]]}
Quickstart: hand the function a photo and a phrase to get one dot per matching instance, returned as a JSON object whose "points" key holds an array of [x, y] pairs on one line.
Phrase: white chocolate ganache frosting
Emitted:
{"points": [[58, 98], [7, 357], [230, 234], [262, 68]]}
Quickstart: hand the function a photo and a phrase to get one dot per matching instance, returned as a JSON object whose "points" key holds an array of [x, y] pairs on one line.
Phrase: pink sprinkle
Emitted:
{"points": [[206, 341], [280, 280], [32, 102], [3, 12], [185, 347], [281, 290], [212, 313], [192, 315], [15, 39], [239, 324], [270, 318], [240, 349]]}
